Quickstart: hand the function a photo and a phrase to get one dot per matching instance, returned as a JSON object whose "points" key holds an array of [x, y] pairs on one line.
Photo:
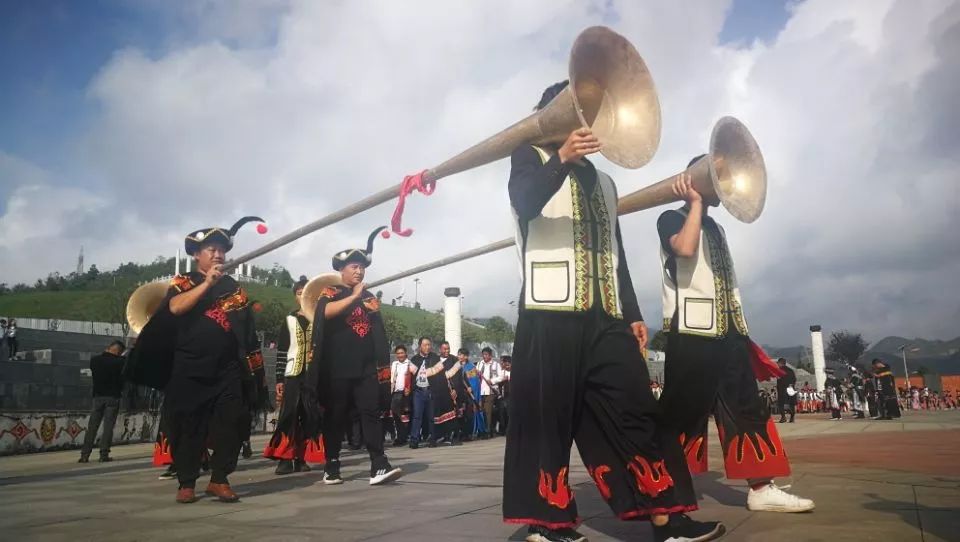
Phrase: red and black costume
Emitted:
{"points": [[208, 363], [351, 363], [712, 366], [297, 434]]}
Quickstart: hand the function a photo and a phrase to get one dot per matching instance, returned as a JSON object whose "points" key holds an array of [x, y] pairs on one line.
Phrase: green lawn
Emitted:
{"points": [[104, 306]]}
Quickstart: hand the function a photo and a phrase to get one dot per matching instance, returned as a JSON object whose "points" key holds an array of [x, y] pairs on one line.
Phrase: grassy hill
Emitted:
{"points": [[109, 306]]}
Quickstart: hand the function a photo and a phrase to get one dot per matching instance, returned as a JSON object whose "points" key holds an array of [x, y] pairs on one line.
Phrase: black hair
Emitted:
{"points": [[782, 360], [694, 160], [463, 351], [550, 93], [444, 343], [424, 338], [301, 282], [507, 359], [118, 344], [400, 347], [487, 350]]}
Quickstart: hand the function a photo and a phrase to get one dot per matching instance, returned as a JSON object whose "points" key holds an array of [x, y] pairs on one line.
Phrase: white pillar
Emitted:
{"points": [[819, 361], [176, 263], [451, 319], [189, 262]]}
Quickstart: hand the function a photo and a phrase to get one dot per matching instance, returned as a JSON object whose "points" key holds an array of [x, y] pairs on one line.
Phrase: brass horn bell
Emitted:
{"points": [[143, 303], [310, 295], [733, 173]]}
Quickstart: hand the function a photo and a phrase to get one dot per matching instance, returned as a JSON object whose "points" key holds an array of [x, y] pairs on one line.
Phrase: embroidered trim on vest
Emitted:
{"points": [[605, 267], [303, 346], [581, 257]]}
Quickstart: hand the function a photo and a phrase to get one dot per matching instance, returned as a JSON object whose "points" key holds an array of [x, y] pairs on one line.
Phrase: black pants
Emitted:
{"points": [[786, 405], [706, 376], [105, 409], [400, 408], [503, 415], [344, 393], [297, 435], [582, 378], [215, 420], [12, 345]]}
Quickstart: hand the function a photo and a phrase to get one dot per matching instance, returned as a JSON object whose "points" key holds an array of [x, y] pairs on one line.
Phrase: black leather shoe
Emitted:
{"points": [[285, 466]]}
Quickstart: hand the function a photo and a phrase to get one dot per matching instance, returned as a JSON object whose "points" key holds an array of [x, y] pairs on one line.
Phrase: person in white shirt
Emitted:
{"points": [[400, 384], [489, 370]]}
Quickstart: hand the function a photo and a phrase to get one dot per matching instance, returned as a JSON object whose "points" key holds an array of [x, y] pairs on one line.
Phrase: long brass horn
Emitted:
{"points": [[733, 173], [611, 91], [143, 303], [311, 292]]}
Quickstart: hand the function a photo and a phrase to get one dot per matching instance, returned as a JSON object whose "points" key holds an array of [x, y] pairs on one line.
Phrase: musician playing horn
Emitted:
{"points": [[205, 326], [577, 362], [711, 364], [351, 363], [296, 440]]}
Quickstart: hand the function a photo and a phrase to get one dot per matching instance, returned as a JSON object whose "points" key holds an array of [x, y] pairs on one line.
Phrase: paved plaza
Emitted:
{"points": [[872, 480]]}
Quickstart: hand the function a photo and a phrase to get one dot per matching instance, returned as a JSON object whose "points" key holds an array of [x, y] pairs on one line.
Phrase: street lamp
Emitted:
{"points": [[906, 373], [416, 292]]}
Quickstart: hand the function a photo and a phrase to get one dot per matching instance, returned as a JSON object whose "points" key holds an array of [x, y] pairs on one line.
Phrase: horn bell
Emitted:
{"points": [[737, 170], [614, 94], [311, 292], [143, 303]]}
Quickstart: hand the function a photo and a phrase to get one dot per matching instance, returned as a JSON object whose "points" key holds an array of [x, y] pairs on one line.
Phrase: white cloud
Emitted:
{"points": [[850, 104]]}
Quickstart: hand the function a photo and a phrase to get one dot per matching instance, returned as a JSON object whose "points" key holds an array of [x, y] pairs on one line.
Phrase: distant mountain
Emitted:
{"points": [[922, 348], [942, 357]]}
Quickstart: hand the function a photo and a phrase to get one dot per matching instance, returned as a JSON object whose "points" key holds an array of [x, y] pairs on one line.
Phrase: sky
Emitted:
{"points": [[126, 124]]}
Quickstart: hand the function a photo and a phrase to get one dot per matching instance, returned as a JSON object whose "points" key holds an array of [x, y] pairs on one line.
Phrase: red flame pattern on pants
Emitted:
{"points": [[652, 479], [755, 455], [695, 450], [559, 496], [597, 474]]}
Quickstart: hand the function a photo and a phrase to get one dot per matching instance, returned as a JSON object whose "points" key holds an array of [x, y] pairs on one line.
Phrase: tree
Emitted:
{"points": [[93, 273], [845, 347], [659, 341], [397, 332], [270, 318], [499, 330]]}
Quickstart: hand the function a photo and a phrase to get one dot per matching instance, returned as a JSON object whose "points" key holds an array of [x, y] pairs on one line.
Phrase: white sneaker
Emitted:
{"points": [[384, 475], [773, 499]]}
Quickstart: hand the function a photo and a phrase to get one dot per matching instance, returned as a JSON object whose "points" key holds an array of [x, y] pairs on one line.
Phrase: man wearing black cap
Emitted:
{"points": [[886, 386], [296, 440], [351, 363], [204, 334]]}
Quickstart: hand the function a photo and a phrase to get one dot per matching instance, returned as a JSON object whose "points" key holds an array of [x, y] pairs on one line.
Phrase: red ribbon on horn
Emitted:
{"points": [[418, 182]]}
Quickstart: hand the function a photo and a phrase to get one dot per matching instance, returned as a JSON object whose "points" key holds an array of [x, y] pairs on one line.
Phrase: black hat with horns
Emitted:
{"points": [[198, 238], [358, 255]]}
